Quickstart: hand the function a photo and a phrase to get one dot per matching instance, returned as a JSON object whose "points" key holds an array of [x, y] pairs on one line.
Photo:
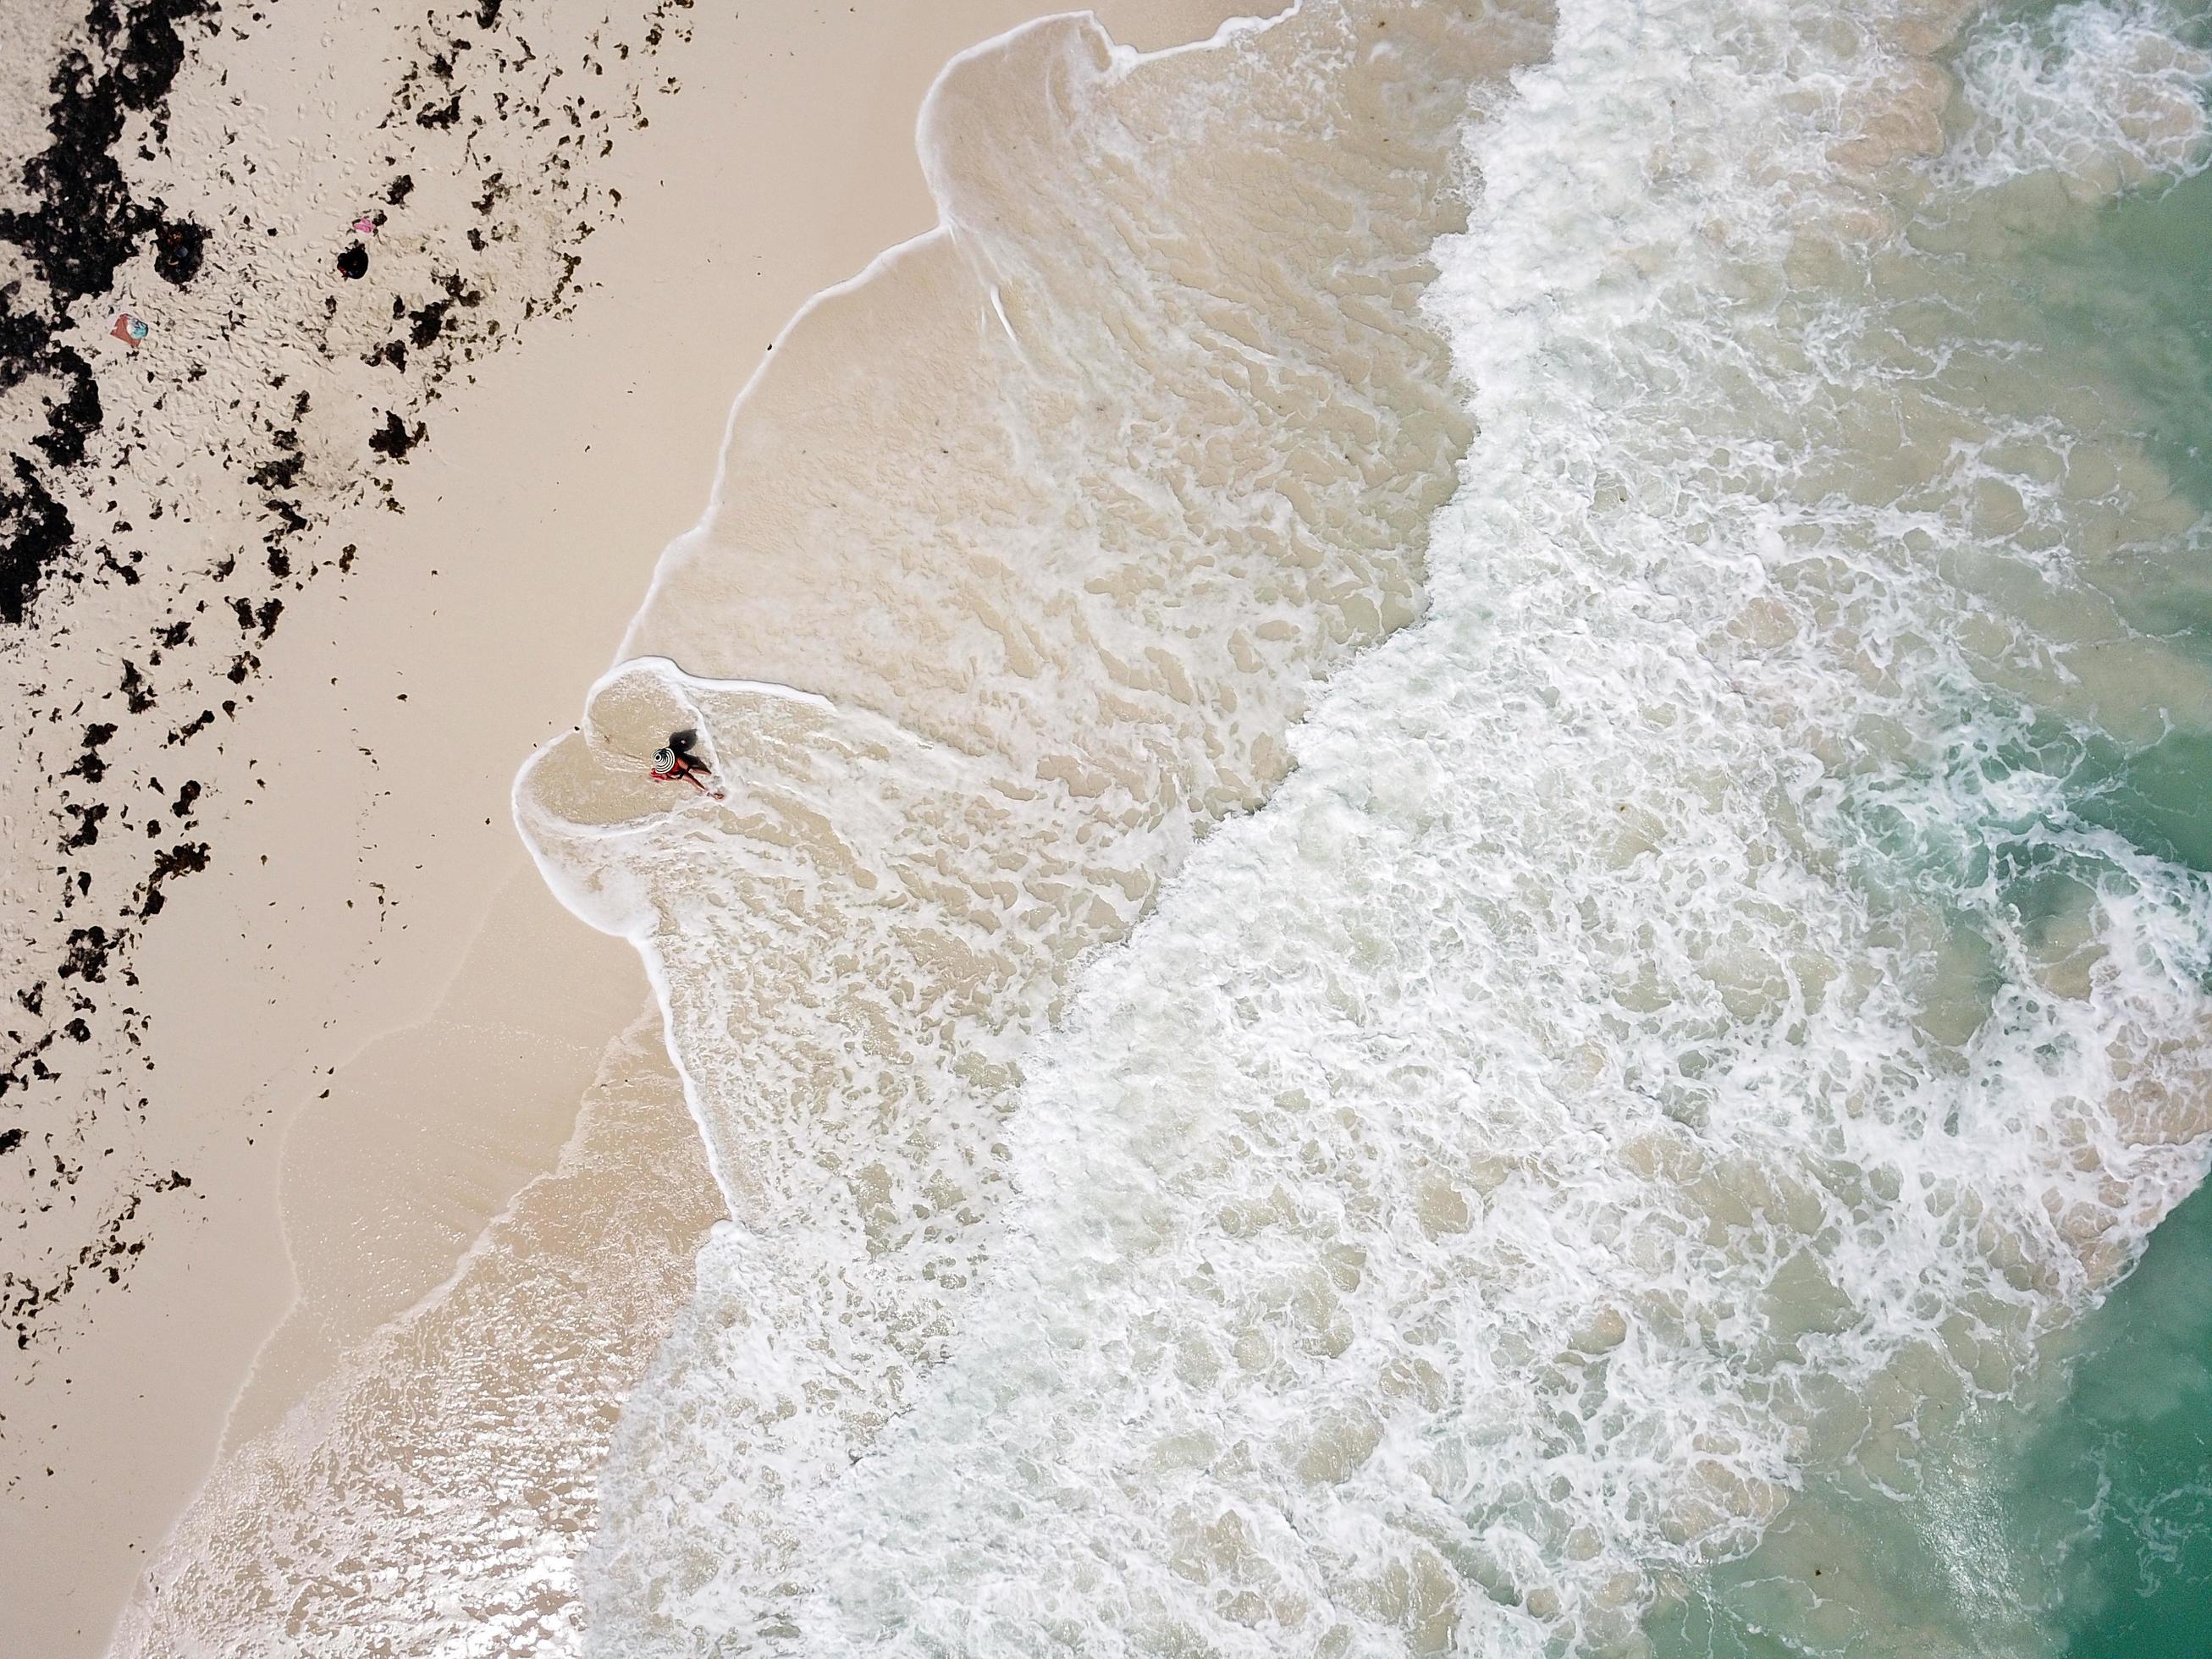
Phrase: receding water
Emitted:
{"points": [[1464, 908], [2110, 1483], [2117, 1482], [1464, 903], [2079, 1520]]}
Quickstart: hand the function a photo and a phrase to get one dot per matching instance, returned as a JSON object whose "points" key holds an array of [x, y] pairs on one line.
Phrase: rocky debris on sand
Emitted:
{"points": [[283, 395]]}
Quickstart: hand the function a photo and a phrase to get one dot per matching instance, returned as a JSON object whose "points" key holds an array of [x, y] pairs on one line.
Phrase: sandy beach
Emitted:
{"points": [[363, 1026], [1446, 891]]}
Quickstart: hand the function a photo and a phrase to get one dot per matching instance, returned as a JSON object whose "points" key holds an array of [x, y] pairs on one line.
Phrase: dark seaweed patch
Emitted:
{"points": [[393, 439], [135, 692], [281, 470], [185, 859], [87, 955], [105, 1255], [89, 766], [72, 420], [82, 226], [35, 532], [428, 322], [179, 248], [192, 728]]}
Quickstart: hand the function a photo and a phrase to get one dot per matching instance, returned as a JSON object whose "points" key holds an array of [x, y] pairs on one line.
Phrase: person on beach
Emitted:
{"points": [[675, 760]]}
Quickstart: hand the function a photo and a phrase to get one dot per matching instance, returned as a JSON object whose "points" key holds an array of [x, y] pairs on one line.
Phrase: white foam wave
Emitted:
{"points": [[2102, 97], [1674, 1031]]}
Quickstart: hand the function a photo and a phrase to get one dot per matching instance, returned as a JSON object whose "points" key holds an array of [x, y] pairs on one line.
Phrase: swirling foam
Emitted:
{"points": [[1678, 1030], [2101, 97]]}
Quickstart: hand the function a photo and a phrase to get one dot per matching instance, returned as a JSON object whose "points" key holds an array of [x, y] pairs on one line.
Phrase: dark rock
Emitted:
{"points": [[178, 246], [89, 766], [393, 439], [428, 322], [35, 532]]}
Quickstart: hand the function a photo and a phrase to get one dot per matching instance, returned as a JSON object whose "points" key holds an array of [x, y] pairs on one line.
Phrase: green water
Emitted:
{"points": [[2110, 1492], [2119, 1477], [2140, 288], [2110, 1495], [2081, 1526], [2076, 1521]]}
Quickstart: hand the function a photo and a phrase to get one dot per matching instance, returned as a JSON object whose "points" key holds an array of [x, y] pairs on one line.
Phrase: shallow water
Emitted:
{"points": [[426, 1497], [2087, 1504], [1615, 1132], [2117, 1477]]}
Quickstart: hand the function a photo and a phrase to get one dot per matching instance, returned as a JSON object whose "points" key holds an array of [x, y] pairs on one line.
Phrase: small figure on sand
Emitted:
{"points": [[676, 761]]}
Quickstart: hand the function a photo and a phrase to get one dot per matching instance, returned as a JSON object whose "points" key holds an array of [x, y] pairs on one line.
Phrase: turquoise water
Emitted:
{"points": [[2136, 286], [1636, 1142], [2137, 291], [2094, 1512], [2115, 1482], [2076, 1520], [2118, 1478]]}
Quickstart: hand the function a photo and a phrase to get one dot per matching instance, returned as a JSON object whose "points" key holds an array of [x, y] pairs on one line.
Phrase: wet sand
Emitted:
{"points": [[369, 1043]]}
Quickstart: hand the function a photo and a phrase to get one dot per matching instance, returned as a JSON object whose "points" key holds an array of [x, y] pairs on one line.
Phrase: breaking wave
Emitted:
{"points": [[1439, 1164]]}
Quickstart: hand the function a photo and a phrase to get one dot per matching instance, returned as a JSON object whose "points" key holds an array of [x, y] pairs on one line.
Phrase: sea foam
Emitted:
{"points": [[1679, 1032]]}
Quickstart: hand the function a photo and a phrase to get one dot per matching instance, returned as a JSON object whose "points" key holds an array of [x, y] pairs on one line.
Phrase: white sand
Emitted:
{"points": [[464, 1013]]}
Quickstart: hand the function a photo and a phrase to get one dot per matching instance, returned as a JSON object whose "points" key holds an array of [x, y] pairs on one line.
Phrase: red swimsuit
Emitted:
{"points": [[680, 767]]}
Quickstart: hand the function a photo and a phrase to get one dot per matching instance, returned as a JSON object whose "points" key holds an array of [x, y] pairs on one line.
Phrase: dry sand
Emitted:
{"points": [[396, 949]]}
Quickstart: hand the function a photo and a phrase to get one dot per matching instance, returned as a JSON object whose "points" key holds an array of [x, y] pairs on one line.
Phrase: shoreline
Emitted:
{"points": [[988, 620], [254, 1006]]}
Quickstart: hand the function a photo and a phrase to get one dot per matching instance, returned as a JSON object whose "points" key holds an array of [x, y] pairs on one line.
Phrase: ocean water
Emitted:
{"points": [[1463, 905], [427, 1497], [2085, 1504]]}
